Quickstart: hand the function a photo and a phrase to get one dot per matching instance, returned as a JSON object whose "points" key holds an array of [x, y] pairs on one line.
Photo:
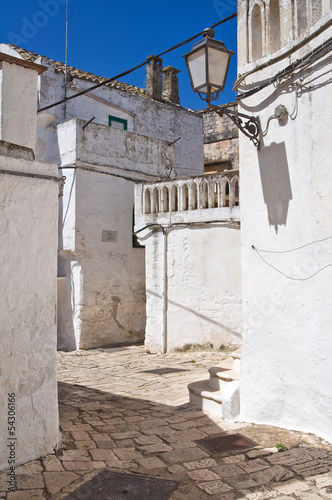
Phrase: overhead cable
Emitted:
{"points": [[147, 61], [286, 54], [307, 60]]}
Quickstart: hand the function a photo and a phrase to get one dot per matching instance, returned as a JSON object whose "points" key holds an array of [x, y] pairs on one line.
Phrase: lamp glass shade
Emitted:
{"points": [[218, 63], [197, 68], [208, 64]]}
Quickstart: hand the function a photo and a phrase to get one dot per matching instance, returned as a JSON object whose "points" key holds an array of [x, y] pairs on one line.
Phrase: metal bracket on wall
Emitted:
{"points": [[250, 127]]}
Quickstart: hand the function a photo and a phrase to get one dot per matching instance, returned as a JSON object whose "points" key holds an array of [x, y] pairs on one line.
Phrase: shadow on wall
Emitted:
{"points": [[277, 191], [198, 314]]}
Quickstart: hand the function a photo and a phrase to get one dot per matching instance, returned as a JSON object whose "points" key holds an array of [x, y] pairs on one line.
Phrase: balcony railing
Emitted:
{"points": [[192, 193]]}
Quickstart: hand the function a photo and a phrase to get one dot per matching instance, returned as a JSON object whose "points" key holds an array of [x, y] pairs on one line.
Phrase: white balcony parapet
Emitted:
{"points": [[189, 199]]}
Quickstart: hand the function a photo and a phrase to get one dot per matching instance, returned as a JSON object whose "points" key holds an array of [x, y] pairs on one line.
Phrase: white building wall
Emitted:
{"points": [[204, 286], [113, 294], [193, 270], [28, 228], [103, 294], [158, 120], [286, 282], [18, 105], [103, 297]]}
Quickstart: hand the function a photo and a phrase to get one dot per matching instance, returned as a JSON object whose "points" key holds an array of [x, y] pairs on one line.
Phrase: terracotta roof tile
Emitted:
{"points": [[83, 75]]}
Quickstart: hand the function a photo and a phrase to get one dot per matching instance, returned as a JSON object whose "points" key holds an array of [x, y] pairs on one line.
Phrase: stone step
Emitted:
{"points": [[221, 376], [237, 354], [220, 394], [202, 397]]}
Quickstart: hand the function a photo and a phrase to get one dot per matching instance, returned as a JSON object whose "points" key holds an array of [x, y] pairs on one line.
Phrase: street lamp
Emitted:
{"points": [[208, 64]]}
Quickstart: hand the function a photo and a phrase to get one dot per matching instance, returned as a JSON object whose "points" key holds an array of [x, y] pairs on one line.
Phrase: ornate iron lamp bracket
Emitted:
{"points": [[251, 127]]}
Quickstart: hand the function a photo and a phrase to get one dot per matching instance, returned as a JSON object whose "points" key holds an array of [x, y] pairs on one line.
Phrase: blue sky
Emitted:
{"points": [[108, 37]]}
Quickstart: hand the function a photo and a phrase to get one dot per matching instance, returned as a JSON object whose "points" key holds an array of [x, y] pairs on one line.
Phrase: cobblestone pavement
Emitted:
{"points": [[116, 414]]}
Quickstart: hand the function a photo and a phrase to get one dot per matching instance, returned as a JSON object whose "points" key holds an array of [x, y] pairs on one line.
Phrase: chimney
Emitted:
{"points": [[18, 101], [171, 84], [154, 79]]}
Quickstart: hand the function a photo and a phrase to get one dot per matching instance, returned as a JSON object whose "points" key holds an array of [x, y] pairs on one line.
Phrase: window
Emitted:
{"points": [[116, 122], [256, 33], [302, 22], [316, 10], [275, 25]]}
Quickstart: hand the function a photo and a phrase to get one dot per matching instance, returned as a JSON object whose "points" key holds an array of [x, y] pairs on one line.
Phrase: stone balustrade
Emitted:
{"points": [[190, 193]]}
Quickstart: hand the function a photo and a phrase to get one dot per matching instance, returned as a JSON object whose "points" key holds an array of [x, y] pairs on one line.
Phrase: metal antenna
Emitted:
{"points": [[66, 62]]}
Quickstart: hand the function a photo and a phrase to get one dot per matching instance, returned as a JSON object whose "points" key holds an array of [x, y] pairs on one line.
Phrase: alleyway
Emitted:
{"points": [[126, 411]]}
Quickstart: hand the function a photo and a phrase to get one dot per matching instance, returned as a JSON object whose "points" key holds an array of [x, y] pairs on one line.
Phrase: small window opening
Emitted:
{"points": [[256, 33], [175, 199], [147, 199], [226, 194], [194, 197], [116, 122], [205, 195], [185, 197], [302, 16], [275, 25], [165, 199]]}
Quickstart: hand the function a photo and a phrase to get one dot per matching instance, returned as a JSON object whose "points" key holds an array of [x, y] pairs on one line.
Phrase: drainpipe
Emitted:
{"points": [[165, 292]]}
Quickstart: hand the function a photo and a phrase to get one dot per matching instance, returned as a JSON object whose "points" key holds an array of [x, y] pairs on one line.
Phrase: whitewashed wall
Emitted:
{"points": [[28, 228], [16, 105], [286, 213], [103, 297], [104, 288], [198, 266], [159, 120]]}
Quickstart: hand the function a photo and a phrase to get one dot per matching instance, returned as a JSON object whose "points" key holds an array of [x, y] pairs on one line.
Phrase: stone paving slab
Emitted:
{"points": [[115, 416]]}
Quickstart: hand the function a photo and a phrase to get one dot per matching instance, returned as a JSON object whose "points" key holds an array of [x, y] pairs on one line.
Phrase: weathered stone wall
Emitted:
{"points": [[221, 141], [155, 119], [286, 212]]}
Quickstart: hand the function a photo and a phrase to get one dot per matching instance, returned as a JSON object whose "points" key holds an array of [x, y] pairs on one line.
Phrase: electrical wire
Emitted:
{"points": [[286, 54], [257, 250], [293, 249], [306, 61], [147, 61]]}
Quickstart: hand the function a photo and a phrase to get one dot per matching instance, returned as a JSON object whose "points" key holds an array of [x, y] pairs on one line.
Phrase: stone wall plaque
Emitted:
{"points": [[109, 236]]}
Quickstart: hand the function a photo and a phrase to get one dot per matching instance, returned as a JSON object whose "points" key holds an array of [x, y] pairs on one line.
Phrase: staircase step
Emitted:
{"points": [[228, 375], [202, 397], [237, 354]]}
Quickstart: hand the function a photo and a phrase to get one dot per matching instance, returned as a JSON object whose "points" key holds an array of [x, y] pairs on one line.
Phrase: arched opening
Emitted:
{"points": [[174, 199], [226, 194], [236, 198], [256, 33], [215, 195], [185, 197], [301, 16], [316, 10], [155, 200], [275, 25], [205, 195], [194, 197], [147, 202], [165, 199]]}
